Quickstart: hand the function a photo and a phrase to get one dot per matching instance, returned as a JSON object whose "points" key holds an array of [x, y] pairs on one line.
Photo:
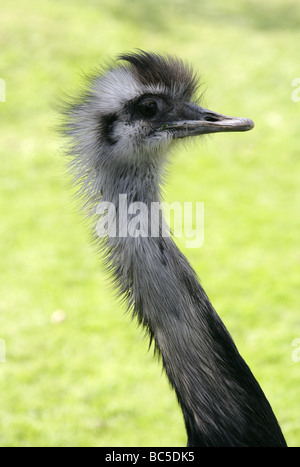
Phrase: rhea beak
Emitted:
{"points": [[200, 121]]}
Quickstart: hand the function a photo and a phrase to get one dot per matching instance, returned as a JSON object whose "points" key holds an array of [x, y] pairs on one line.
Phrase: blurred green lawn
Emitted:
{"points": [[83, 376]]}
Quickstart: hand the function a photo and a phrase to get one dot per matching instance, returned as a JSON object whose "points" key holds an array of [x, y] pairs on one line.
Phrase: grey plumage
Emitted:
{"points": [[120, 129]]}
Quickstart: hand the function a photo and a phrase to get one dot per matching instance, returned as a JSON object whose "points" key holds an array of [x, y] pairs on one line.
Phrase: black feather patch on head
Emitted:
{"points": [[170, 72]]}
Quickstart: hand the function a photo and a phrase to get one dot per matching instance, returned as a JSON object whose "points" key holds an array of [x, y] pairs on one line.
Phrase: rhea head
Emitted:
{"points": [[138, 107]]}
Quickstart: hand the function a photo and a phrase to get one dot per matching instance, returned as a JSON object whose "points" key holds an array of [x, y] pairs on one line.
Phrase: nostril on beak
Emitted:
{"points": [[211, 118]]}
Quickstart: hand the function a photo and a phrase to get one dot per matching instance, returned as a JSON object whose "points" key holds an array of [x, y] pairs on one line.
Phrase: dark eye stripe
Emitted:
{"points": [[107, 126]]}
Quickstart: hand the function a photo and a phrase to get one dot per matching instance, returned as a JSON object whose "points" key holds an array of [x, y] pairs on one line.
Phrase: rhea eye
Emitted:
{"points": [[148, 108]]}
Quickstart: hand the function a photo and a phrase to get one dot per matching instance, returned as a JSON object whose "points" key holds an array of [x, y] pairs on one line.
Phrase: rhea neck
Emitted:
{"points": [[139, 180], [165, 295], [133, 188], [221, 401]]}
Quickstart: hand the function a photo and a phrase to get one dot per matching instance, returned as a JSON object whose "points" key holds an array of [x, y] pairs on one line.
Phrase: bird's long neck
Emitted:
{"points": [[221, 401]]}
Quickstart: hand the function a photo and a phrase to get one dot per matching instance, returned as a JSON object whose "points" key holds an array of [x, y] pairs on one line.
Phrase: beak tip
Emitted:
{"points": [[251, 124]]}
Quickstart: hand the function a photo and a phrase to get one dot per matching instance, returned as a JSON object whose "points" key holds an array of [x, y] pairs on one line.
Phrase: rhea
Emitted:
{"points": [[120, 129]]}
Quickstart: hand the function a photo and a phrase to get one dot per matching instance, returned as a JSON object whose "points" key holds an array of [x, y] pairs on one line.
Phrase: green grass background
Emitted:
{"points": [[87, 379]]}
